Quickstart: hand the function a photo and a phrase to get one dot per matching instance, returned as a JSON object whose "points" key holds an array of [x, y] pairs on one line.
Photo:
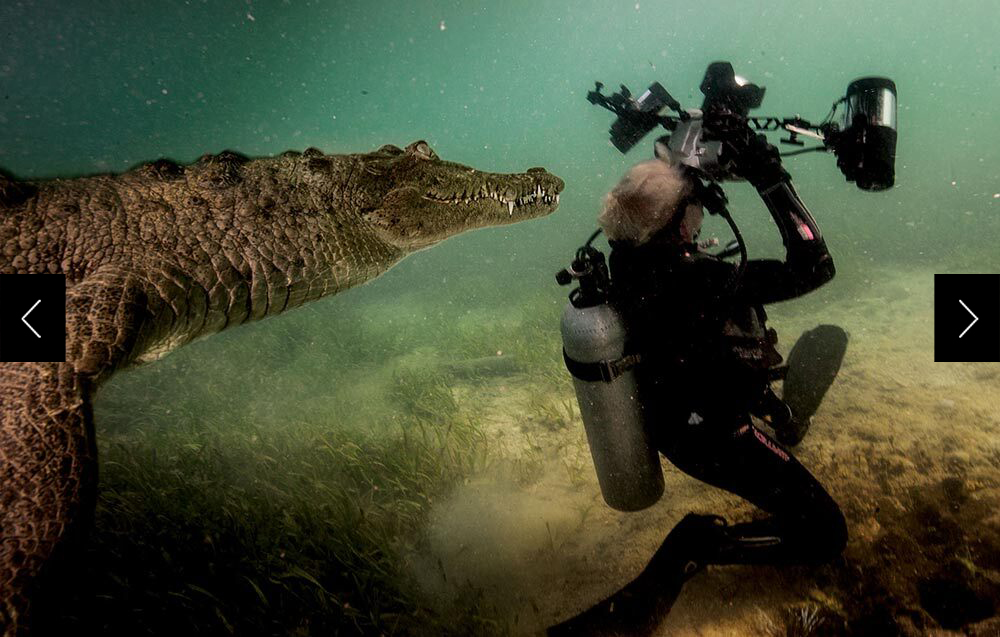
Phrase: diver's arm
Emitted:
{"points": [[808, 263], [806, 257]]}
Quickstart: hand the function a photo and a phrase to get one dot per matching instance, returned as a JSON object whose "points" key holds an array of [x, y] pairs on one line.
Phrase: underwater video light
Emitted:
{"points": [[866, 147]]}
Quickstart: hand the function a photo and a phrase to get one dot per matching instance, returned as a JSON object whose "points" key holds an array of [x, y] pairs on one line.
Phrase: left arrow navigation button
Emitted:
{"points": [[32, 318], [24, 319]]}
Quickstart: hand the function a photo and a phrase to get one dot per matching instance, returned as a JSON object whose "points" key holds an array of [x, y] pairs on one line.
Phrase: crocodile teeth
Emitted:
{"points": [[508, 198]]}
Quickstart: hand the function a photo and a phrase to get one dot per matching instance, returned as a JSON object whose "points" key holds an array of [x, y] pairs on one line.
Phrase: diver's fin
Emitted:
{"points": [[633, 610], [640, 606], [813, 363]]}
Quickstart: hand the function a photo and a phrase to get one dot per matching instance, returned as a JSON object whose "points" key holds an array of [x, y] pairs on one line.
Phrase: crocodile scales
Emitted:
{"points": [[164, 254]]}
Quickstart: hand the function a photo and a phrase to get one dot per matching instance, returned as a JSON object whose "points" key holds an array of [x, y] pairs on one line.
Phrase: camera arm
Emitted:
{"points": [[624, 105], [796, 126]]}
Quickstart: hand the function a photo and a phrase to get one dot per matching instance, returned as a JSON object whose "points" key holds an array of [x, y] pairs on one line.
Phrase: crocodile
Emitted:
{"points": [[163, 254]]}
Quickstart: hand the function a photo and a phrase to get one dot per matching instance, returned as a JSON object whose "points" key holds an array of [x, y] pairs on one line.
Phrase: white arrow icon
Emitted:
{"points": [[974, 319], [26, 316]]}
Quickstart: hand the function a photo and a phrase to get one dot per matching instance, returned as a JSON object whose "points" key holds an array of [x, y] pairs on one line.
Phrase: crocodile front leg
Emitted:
{"points": [[48, 466], [48, 458]]}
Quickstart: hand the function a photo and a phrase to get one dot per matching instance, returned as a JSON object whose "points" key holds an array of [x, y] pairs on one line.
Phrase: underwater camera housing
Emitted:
{"points": [[864, 141], [636, 117]]}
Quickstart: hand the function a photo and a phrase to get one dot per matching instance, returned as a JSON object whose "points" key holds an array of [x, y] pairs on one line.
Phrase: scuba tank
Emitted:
{"points": [[593, 335]]}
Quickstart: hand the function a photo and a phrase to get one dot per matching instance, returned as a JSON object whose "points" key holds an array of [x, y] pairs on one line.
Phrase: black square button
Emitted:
{"points": [[32, 317], [966, 317]]}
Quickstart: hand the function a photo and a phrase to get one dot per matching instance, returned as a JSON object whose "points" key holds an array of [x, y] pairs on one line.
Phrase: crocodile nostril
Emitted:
{"points": [[536, 169]]}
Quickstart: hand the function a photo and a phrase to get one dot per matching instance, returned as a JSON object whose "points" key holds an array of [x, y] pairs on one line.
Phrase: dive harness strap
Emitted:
{"points": [[601, 370]]}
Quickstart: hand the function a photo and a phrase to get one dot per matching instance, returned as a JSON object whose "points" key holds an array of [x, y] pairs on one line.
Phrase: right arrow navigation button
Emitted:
{"points": [[966, 317], [975, 319]]}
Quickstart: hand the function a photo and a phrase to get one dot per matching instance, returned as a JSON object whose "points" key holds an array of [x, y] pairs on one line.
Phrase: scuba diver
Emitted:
{"points": [[707, 362]]}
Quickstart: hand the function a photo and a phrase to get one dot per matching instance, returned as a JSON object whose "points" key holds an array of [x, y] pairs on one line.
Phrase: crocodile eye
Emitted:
{"points": [[391, 150], [421, 149]]}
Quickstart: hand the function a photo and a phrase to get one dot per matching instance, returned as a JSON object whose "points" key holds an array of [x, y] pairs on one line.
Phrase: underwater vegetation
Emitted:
{"points": [[212, 520], [232, 528]]}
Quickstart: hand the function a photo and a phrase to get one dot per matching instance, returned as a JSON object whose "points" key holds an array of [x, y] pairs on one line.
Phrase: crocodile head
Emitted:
{"points": [[413, 199]]}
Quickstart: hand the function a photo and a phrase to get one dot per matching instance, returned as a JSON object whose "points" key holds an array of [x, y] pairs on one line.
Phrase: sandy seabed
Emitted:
{"points": [[910, 449]]}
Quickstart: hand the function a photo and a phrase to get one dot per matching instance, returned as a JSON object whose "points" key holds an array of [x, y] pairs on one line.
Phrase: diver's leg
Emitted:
{"points": [[806, 525], [813, 364]]}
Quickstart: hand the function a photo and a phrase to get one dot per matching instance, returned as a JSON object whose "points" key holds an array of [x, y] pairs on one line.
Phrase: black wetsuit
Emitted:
{"points": [[706, 353]]}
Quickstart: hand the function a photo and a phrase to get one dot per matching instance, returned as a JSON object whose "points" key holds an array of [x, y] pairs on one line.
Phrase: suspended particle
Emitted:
{"points": [[442, 26]]}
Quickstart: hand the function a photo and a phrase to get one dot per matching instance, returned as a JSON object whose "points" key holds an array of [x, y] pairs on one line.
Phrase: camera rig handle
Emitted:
{"points": [[624, 105]]}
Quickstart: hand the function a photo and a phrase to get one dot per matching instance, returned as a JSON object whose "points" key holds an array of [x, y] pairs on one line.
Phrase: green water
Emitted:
{"points": [[90, 87]]}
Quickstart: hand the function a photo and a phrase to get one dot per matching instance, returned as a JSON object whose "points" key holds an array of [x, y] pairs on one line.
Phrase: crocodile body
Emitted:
{"points": [[164, 254]]}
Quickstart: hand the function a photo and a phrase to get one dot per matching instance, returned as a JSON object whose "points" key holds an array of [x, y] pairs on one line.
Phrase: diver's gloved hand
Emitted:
{"points": [[792, 431], [753, 158]]}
